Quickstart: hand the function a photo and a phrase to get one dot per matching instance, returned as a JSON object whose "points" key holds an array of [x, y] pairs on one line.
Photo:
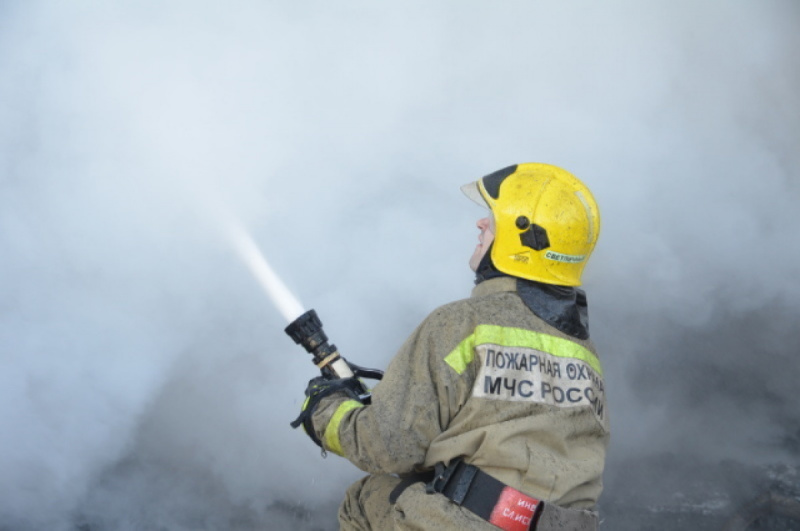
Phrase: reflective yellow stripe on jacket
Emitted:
{"points": [[462, 355], [332, 430]]}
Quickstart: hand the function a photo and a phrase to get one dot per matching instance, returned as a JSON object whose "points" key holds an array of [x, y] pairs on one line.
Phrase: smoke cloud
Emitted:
{"points": [[146, 380]]}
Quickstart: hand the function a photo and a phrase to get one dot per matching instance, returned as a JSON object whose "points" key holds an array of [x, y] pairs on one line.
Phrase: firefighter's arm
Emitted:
{"points": [[410, 407]]}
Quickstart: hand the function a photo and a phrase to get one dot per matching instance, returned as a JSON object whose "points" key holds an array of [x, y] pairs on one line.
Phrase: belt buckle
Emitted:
{"points": [[441, 477]]}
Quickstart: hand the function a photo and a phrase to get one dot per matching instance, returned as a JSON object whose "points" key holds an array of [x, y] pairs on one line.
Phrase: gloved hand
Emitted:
{"points": [[317, 389]]}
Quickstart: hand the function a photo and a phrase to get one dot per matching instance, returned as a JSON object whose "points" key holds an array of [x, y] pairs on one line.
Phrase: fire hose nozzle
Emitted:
{"points": [[307, 331]]}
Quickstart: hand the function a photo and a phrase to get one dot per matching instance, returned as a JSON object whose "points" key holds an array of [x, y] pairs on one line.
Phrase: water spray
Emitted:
{"points": [[305, 327], [248, 251]]}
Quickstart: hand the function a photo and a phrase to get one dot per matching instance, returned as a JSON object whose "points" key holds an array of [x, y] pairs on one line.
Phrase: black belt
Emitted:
{"points": [[494, 501]]}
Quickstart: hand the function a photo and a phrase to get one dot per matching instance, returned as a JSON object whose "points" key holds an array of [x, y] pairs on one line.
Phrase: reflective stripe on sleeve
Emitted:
{"points": [[331, 437], [462, 355]]}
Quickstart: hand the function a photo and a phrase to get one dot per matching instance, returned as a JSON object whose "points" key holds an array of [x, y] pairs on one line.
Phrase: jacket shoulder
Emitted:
{"points": [[454, 321], [460, 311]]}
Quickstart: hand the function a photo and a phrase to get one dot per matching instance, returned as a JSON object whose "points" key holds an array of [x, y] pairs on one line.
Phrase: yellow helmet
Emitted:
{"points": [[546, 222]]}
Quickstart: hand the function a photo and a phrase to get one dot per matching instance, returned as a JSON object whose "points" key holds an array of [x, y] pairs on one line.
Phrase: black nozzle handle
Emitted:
{"points": [[364, 372]]}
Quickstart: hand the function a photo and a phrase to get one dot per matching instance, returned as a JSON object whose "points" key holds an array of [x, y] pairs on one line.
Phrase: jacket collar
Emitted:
{"points": [[560, 306], [495, 285]]}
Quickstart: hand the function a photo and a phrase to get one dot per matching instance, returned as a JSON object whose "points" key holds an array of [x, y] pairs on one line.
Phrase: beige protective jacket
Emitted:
{"points": [[486, 379]]}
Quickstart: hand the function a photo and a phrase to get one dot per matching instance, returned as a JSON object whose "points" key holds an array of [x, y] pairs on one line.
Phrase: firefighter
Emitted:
{"points": [[493, 412]]}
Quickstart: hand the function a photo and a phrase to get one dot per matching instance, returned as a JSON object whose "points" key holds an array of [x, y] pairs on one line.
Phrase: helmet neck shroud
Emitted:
{"points": [[562, 307]]}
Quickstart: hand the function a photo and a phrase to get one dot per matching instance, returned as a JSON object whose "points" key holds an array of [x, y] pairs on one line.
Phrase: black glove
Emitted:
{"points": [[318, 388]]}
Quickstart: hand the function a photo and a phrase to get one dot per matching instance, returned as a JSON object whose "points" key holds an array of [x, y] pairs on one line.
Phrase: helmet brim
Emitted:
{"points": [[472, 191]]}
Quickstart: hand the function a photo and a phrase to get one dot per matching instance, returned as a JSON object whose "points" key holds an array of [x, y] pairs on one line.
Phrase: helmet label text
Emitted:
{"points": [[566, 258]]}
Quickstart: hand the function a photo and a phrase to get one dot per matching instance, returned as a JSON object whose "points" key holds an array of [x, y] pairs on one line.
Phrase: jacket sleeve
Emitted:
{"points": [[411, 406]]}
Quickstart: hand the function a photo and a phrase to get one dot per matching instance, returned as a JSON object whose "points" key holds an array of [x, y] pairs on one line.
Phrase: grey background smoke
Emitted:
{"points": [[146, 382]]}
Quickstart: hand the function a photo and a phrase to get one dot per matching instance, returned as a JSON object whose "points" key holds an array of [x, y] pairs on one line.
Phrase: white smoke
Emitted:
{"points": [[146, 378]]}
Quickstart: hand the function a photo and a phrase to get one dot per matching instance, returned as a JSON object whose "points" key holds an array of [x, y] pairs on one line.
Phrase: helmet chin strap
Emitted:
{"points": [[486, 268]]}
